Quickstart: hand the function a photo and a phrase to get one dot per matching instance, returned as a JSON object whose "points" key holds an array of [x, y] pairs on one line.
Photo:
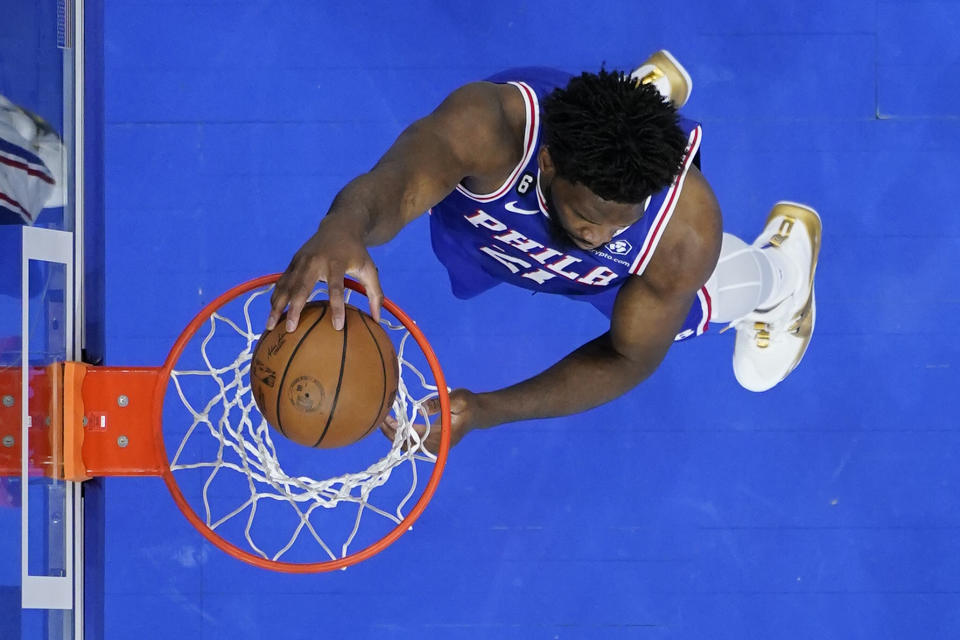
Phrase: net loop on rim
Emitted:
{"points": [[226, 442]]}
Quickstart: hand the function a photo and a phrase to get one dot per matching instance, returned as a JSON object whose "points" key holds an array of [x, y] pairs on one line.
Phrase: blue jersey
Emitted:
{"points": [[506, 235]]}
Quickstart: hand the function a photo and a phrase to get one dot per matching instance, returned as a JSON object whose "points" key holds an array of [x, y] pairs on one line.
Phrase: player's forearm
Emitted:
{"points": [[368, 209], [591, 376], [417, 172]]}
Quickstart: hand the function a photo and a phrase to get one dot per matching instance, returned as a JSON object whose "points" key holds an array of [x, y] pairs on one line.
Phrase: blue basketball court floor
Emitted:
{"points": [[828, 507]]}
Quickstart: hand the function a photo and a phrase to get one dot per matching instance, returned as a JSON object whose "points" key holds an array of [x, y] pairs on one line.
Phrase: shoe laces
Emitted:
{"points": [[772, 325]]}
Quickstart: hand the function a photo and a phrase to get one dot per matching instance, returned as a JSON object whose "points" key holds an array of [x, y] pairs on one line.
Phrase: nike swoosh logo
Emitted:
{"points": [[512, 206]]}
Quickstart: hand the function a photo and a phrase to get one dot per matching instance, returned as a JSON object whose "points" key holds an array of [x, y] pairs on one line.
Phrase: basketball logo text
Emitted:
{"points": [[263, 373], [273, 349], [306, 394]]}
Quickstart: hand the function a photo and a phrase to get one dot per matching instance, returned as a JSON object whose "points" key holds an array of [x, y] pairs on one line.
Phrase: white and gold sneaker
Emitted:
{"points": [[668, 76], [771, 342]]}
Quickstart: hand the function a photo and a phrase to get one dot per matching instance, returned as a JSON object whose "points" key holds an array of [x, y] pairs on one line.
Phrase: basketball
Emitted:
{"points": [[321, 387]]}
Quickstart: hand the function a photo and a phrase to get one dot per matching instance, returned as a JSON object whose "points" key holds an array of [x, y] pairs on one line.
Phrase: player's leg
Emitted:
{"points": [[748, 277], [666, 74], [765, 291]]}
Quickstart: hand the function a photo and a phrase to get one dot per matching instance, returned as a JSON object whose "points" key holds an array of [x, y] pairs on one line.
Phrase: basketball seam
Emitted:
{"points": [[336, 394], [293, 354], [383, 372]]}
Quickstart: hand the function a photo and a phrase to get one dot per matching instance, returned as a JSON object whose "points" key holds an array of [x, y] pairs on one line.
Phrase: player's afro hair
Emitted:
{"points": [[619, 139]]}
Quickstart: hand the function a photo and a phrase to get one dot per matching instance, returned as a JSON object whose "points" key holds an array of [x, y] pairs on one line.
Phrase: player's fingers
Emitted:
{"points": [[429, 440], [280, 296], [278, 301], [432, 443], [370, 279], [272, 320], [284, 293], [458, 403], [432, 406], [389, 428], [335, 291], [297, 300]]}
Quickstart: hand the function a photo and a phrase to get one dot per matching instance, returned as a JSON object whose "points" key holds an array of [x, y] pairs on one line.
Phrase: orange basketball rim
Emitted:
{"points": [[108, 421]]}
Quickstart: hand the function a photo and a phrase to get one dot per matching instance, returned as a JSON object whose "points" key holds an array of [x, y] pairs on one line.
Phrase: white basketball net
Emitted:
{"points": [[243, 444]]}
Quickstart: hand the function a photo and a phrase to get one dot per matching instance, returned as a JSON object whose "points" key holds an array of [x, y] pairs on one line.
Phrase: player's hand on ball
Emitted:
{"points": [[465, 415], [327, 256]]}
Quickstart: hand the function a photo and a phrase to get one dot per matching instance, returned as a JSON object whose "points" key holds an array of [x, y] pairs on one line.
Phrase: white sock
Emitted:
{"points": [[744, 279], [784, 276]]}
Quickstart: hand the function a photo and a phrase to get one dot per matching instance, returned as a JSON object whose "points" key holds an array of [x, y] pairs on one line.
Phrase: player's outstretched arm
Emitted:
{"points": [[466, 136], [648, 314]]}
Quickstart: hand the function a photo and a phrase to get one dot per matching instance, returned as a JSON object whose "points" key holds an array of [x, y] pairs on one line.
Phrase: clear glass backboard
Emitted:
{"points": [[41, 312]]}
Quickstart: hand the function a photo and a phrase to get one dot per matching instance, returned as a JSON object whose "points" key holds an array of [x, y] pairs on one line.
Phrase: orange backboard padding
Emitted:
{"points": [[108, 422], [41, 407], [70, 439]]}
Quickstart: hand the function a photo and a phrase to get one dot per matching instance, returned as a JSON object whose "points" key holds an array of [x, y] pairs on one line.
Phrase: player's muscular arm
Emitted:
{"points": [[648, 314], [471, 134]]}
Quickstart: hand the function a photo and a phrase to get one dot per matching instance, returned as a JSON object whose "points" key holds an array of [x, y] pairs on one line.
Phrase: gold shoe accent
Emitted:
{"points": [[665, 65], [805, 216], [786, 226], [760, 327], [652, 76], [763, 334], [802, 324]]}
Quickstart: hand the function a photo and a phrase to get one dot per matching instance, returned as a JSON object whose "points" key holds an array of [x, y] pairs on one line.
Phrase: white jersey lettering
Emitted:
{"points": [[545, 255], [518, 240], [562, 264], [599, 277], [482, 219], [539, 276], [510, 262]]}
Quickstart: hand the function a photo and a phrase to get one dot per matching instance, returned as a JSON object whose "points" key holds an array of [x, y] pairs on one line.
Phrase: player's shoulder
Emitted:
{"points": [[513, 92], [491, 122], [485, 124], [482, 106], [688, 252]]}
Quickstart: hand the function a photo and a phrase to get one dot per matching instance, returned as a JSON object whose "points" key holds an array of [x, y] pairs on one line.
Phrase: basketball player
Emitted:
{"points": [[588, 187]]}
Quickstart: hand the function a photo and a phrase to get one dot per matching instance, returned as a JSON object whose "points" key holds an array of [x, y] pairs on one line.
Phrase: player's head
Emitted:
{"points": [[609, 145]]}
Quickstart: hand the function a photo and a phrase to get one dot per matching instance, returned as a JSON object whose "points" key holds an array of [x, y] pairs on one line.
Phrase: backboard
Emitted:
{"points": [[45, 311]]}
